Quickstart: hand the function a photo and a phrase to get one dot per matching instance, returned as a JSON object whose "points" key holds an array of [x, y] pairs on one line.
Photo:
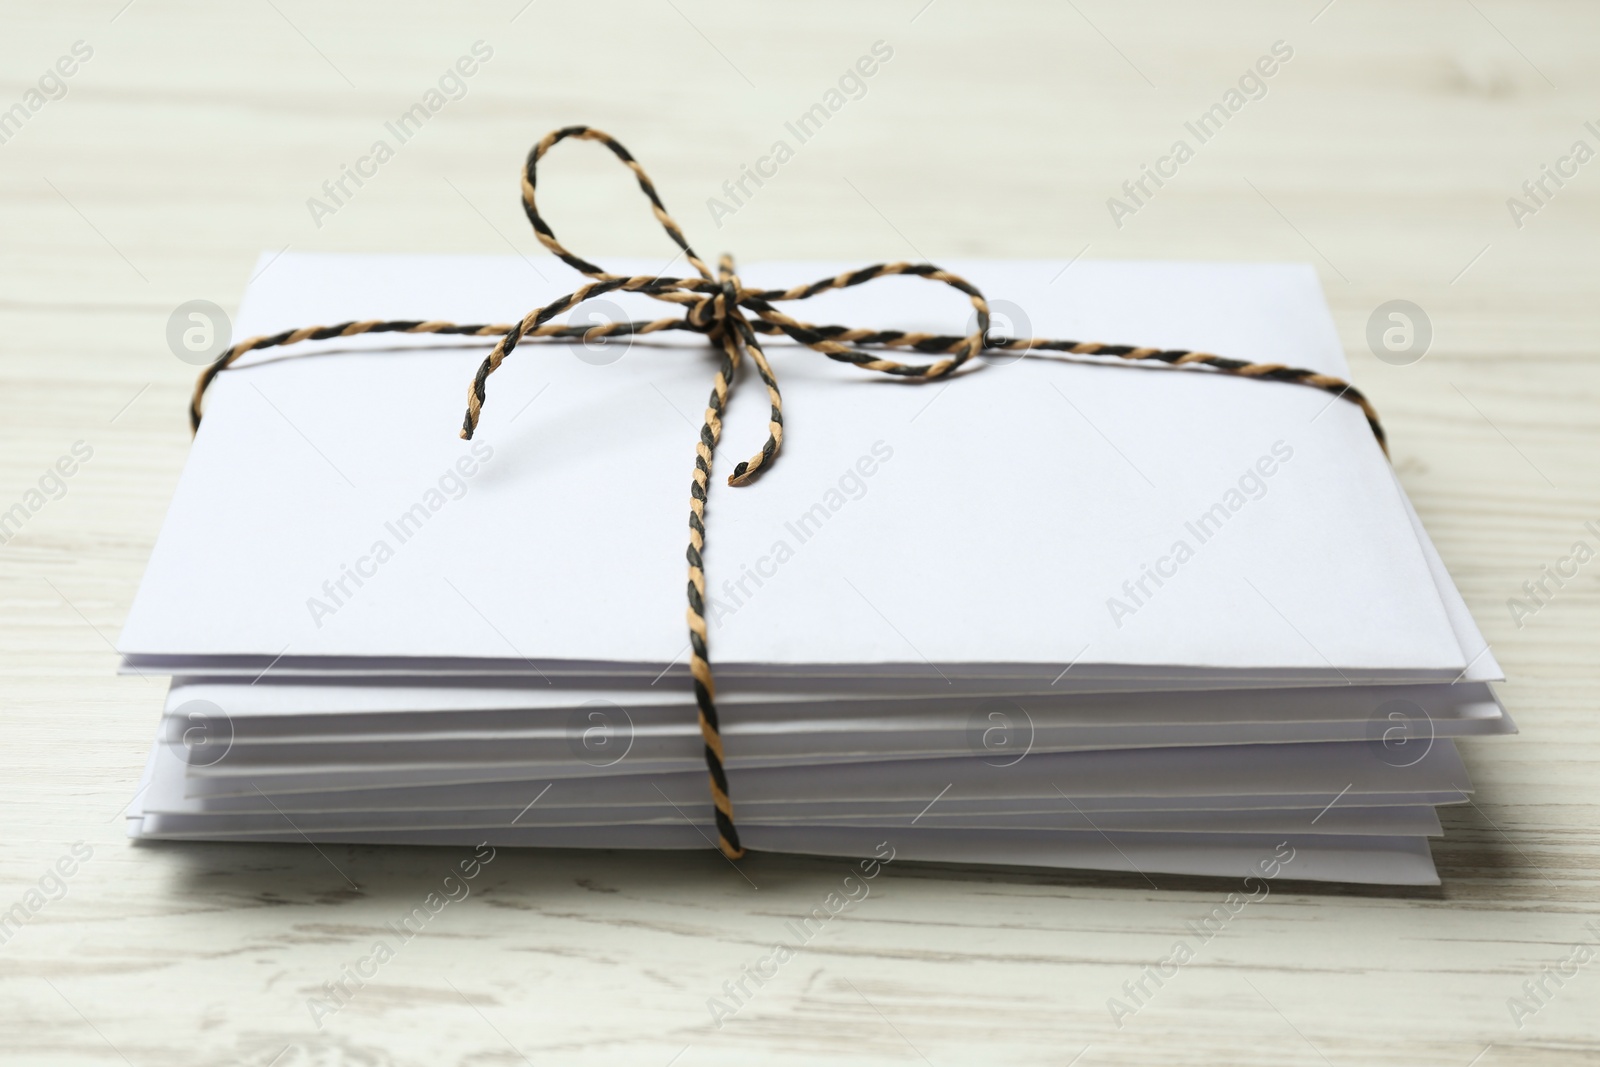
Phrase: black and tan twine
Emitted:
{"points": [[721, 308]]}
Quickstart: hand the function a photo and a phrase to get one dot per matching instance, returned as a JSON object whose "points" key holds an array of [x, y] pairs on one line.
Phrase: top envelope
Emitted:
{"points": [[1026, 516]]}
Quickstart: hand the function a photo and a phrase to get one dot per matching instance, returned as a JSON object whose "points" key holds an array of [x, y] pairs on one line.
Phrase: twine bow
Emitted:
{"points": [[721, 307]]}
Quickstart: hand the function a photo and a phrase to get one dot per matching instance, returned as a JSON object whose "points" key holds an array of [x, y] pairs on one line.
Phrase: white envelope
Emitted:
{"points": [[998, 532]]}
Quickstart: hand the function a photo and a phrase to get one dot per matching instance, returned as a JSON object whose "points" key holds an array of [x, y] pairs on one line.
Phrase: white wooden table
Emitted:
{"points": [[1384, 151]]}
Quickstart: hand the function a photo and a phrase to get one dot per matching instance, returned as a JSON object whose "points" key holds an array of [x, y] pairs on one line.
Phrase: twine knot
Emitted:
{"points": [[731, 316]]}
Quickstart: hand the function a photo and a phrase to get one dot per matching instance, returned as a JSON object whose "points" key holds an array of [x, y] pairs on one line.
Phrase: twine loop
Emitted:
{"points": [[731, 316], [727, 312]]}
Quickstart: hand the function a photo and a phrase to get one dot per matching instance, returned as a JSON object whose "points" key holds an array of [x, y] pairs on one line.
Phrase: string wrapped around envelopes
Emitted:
{"points": [[731, 316]]}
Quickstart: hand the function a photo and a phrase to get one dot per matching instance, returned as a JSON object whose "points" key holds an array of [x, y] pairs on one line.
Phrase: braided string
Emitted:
{"points": [[731, 316]]}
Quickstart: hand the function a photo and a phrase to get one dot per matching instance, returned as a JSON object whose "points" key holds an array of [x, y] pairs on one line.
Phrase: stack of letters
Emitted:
{"points": [[1050, 612]]}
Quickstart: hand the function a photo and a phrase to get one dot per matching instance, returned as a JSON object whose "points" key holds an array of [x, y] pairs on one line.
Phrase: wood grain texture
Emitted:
{"points": [[1384, 152]]}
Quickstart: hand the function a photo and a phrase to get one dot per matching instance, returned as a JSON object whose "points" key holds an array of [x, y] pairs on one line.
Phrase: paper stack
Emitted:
{"points": [[1050, 612]]}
